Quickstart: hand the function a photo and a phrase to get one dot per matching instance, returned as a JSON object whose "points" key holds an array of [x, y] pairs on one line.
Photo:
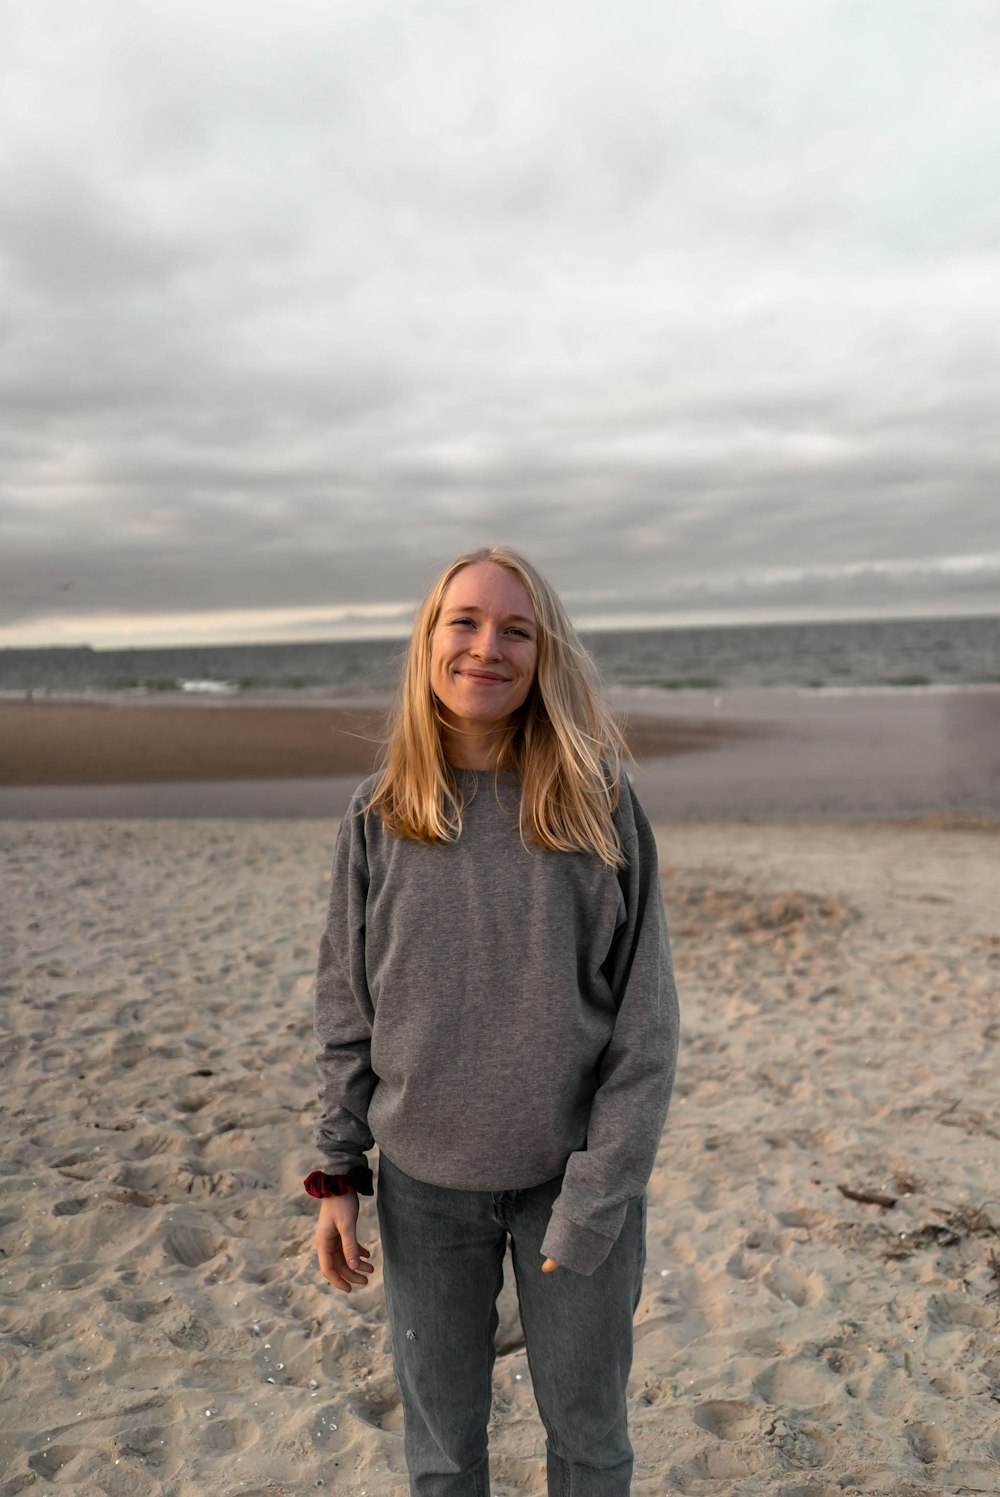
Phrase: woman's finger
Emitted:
{"points": [[352, 1248], [330, 1259], [333, 1264]]}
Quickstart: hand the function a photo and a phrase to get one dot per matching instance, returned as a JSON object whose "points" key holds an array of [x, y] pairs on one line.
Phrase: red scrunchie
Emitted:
{"points": [[357, 1181]]}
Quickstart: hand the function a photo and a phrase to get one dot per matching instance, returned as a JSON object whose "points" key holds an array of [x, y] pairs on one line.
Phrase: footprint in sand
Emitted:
{"points": [[148, 1144], [147, 1177], [947, 1312], [928, 1442], [191, 1245], [888, 1391], [54, 1461], [126, 1196], [843, 1362], [378, 1406], [791, 1284], [189, 1336], [70, 1208], [138, 1311], [951, 1384], [801, 1444], [52, 1325], [728, 1419], [743, 1264], [73, 1275], [152, 1444], [795, 1383], [88, 1467], [226, 1436], [729, 1461], [762, 1342], [196, 1103]]}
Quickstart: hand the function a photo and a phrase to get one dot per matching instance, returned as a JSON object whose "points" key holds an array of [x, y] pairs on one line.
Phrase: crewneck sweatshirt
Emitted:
{"points": [[494, 1015]]}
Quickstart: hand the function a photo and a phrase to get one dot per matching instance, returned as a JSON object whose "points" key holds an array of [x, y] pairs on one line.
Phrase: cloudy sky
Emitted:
{"points": [[697, 304]]}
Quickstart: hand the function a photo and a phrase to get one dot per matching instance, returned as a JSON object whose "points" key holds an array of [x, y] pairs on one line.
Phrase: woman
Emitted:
{"points": [[495, 1007]]}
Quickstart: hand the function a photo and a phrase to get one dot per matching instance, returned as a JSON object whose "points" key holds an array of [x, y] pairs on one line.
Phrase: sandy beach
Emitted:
{"points": [[822, 1303]]}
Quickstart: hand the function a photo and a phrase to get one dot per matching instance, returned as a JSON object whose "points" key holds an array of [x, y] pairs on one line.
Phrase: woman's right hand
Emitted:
{"points": [[341, 1261]]}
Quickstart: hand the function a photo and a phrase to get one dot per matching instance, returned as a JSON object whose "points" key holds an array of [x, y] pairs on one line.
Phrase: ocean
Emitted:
{"points": [[828, 657]]}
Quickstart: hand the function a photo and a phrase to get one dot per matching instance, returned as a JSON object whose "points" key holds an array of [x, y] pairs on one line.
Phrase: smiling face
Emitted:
{"points": [[484, 651]]}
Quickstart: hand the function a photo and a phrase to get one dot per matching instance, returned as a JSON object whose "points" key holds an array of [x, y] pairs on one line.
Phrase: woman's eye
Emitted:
{"points": [[521, 633]]}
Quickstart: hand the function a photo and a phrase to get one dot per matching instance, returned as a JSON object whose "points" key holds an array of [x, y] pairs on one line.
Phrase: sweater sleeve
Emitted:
{"points": [[344, 1012], [636, 1069]]}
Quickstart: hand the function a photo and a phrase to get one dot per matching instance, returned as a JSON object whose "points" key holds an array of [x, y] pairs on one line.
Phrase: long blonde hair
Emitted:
{"points": [[563, 743]]}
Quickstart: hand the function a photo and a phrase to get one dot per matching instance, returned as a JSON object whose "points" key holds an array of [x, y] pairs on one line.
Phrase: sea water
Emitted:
{"points": [[912, 654]]}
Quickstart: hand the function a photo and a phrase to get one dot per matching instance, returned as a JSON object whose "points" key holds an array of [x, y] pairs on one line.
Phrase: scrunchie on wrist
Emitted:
{"points": [[357, 1181]]}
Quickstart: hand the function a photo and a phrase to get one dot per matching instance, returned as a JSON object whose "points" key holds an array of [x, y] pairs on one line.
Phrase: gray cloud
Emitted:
{"points": [[298, 304]]}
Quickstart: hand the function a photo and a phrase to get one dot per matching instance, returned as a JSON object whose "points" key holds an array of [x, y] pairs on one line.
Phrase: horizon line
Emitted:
{"points": [[599, 624]]}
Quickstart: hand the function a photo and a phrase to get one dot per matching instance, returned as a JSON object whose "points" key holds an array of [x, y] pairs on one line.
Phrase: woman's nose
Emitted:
{"points": [[487, 645]]}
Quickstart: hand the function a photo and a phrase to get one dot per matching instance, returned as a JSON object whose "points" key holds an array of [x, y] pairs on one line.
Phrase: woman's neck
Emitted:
{"points": [[472, 750]]}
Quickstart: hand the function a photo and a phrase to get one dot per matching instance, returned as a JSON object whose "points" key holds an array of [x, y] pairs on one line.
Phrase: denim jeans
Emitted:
{"points": [[442, 1265]]}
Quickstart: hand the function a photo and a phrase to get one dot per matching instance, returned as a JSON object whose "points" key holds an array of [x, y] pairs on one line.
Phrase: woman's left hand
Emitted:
{"points": [[549, 1265]]}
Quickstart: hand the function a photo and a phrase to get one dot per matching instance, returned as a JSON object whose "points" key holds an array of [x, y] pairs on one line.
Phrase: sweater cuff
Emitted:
{"points": [[575, 1247]]}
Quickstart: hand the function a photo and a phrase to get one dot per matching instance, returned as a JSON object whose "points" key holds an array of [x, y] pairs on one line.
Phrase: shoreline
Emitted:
{"points": [[775, 755], [85, 743]]}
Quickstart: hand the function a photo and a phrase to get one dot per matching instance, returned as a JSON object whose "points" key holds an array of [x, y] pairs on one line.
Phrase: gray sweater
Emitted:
{"points": [[492, 1016]]}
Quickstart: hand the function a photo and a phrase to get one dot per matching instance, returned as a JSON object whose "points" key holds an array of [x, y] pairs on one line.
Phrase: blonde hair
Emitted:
{"points": [[563, 742]]}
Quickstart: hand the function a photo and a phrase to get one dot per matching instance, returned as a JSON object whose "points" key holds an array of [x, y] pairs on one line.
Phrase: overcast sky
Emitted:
{"points": [[697, 304]]}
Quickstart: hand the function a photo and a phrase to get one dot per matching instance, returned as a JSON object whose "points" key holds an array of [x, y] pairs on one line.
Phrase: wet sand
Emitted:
{"points": [[760, 755], [177, 759]]}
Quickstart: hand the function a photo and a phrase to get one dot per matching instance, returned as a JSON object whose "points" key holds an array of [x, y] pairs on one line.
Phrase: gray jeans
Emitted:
{"points": [[442, 1264]]}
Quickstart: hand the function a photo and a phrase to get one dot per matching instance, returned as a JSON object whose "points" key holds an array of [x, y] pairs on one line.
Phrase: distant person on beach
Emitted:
{"points": [[496, 1009]]}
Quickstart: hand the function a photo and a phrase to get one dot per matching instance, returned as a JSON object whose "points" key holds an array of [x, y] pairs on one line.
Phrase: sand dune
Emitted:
{"points": [[165, 1329]]}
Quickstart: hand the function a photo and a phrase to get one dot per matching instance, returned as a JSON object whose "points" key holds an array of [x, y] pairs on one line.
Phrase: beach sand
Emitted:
{"points": [[821, 1308]]}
